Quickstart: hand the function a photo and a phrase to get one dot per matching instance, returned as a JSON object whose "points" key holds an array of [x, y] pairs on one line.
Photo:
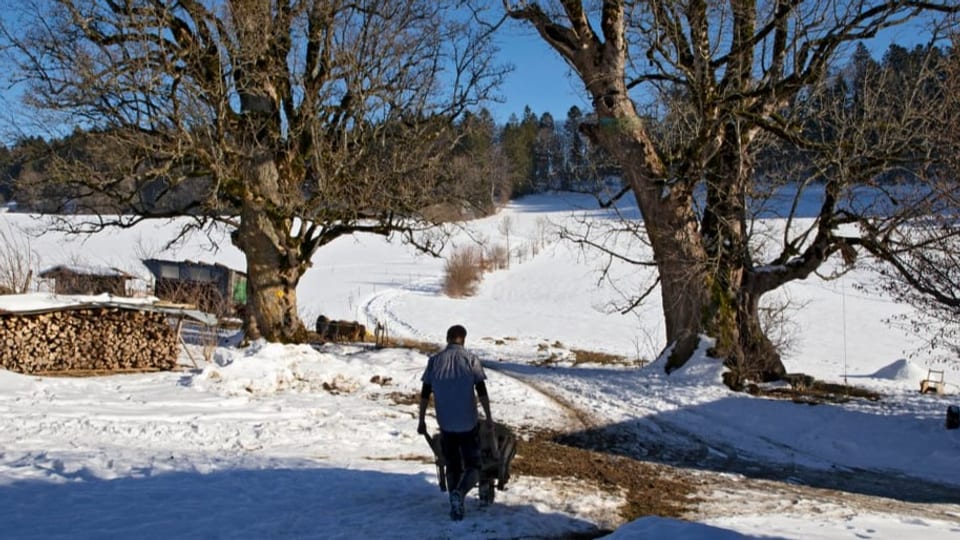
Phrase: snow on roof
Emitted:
{"points": [[93, 271], [35, 303]]}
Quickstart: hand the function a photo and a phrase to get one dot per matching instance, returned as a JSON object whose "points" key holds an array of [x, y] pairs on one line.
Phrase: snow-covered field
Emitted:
{"points": [[290, 442]]}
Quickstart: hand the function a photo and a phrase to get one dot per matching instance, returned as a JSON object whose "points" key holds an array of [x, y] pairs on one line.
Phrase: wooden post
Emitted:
{"points": [[184, 343]]}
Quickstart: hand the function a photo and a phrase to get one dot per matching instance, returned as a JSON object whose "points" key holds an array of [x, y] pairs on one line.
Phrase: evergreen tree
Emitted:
{"points": [[6, 181], [517, 141], [574, 166], [476, 176], [546, 154]]}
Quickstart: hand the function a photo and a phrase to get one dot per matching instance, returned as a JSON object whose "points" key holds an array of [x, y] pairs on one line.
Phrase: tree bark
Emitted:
{"points": [[703, 268], [668, 215], [274, 267], [731, 314]]}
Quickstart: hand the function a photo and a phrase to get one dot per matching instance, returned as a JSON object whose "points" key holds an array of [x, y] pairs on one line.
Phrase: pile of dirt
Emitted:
{"points": [[655, 489], [651, 489]]}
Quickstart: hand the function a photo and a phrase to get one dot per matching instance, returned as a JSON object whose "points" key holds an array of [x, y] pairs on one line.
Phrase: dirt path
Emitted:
{"points": [[726, 482], [730, 496]]}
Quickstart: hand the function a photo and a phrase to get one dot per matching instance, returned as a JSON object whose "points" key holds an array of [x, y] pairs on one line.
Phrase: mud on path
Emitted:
{"points": [[676, 473], [721, 482]]}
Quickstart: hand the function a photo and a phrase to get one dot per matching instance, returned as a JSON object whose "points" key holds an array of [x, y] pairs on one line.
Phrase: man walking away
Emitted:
{"points": [[452, 375]]}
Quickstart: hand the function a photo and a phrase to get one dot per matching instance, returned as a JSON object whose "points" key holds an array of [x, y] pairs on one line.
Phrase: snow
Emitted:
{"points": [[274, 441], [99, 271], [45, 301], [901, 370]]}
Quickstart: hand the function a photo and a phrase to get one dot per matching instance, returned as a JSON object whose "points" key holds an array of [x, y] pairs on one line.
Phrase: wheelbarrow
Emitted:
{"points": [[497, 451]]}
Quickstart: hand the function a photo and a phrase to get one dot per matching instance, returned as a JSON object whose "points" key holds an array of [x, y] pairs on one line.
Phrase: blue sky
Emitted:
{"points": [[541, 79], [544, 82]]}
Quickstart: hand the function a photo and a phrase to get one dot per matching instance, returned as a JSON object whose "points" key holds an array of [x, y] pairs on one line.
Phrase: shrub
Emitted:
{"points": [[462, 272], [497, 258]]}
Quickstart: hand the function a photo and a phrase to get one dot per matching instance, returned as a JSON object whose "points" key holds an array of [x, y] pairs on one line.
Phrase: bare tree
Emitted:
{"points": [[18, 260], [734, 76], [297, 122], [928, 278]]}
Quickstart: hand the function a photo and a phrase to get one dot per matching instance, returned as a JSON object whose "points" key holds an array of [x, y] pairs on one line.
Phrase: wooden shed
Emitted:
{"points": [[69, 279], [213, 288]]}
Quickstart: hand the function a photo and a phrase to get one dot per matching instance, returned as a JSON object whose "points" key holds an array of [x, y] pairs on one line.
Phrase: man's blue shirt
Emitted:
{"points": [[452, 374]]}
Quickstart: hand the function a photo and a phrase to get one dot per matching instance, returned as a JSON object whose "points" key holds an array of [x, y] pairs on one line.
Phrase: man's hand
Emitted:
{"points": [[422, 427]]}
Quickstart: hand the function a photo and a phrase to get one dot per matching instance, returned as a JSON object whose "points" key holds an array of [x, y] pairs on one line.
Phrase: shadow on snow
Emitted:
{"points": [[908, 457], [260, 504]]}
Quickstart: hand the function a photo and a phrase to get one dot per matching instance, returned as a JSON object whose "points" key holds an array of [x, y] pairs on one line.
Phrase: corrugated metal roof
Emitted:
{"points": [[151, 264]]}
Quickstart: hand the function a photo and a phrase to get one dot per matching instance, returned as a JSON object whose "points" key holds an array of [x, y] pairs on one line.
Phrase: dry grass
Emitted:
{"points": [[405, 398], [465, 268], [426, 347], [593, 357], [497, 258], [462, 272], [816, 392], [580, 357], [17, 260]]}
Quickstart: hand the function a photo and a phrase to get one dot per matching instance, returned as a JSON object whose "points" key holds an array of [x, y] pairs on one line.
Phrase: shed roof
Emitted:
{"points": [[153, 265], [87, 271], [37, 303]]}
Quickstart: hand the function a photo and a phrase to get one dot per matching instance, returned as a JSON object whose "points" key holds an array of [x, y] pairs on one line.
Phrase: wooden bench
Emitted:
{"points": [[933, 383]]}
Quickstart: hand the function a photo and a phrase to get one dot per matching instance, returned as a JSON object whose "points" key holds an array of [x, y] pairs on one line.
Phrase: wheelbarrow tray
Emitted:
{"points": [[497, 451]]}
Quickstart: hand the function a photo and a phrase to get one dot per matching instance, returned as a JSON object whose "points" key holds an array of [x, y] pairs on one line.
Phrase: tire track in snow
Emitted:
{"points": [[578, 419], [378, 307]]}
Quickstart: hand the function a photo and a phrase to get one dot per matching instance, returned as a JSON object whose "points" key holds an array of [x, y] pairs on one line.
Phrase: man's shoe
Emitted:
{"points": [[456, 506], [486, 493]]}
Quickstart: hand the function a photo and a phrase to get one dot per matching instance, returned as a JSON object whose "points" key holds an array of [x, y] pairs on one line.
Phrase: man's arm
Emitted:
{"points": [[484, 401], [424, 401]]}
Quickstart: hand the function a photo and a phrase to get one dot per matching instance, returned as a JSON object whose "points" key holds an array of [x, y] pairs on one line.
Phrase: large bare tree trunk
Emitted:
{"points": [[731, 311], [703, 267], [667, 214], [274, 265]]}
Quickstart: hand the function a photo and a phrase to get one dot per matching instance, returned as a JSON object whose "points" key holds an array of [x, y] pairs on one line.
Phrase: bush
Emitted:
{"points": [[497, 258], [462, 272]]}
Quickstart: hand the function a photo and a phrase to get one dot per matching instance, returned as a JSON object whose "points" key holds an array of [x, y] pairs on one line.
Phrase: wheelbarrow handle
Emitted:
{"points": [[438, 458]]}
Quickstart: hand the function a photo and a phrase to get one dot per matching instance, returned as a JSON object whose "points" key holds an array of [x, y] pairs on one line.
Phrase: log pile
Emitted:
{"points": [[93, 338]]}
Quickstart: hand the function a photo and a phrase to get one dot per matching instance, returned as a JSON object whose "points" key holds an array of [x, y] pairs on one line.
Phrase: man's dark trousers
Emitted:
{"points": [[461, 452]]}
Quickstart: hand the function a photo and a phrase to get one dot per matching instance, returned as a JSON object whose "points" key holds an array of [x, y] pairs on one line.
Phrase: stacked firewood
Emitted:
{"points": [[100, 339]]}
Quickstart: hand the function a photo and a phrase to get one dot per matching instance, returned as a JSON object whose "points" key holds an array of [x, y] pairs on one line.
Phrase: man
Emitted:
{"points": [[452, 375]]}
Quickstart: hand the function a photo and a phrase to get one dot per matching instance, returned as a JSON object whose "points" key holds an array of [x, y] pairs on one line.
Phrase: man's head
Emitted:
{"points": [[456, 334]]}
